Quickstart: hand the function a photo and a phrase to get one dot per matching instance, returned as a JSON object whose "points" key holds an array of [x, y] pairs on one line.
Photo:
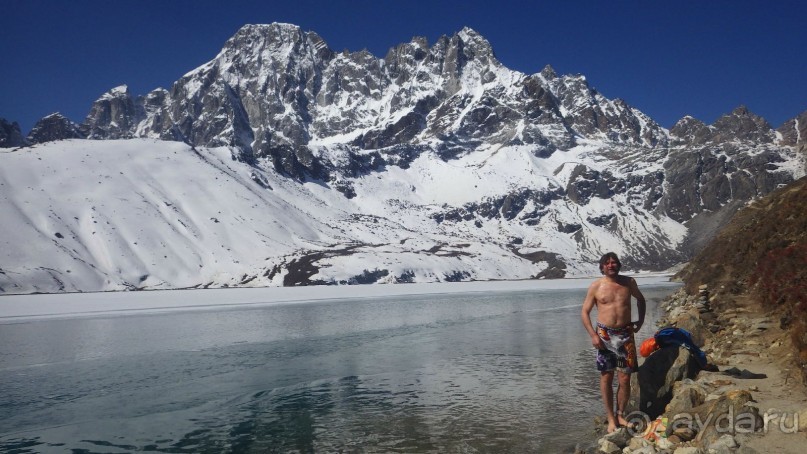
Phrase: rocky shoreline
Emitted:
{"points": [[750, 399]]}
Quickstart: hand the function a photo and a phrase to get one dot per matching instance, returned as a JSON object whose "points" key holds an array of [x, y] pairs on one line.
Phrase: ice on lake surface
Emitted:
{"points": [[474, 368]]}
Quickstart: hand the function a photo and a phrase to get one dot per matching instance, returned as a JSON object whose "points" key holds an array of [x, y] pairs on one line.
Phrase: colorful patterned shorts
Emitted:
{"points": [[620, 352]]}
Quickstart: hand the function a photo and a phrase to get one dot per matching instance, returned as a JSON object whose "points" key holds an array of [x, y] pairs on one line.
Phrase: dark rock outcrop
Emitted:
{"points": [[658, 375], [10, 135], [707, 178], [54, 127], [740, 125], [112, 116], [508, 207]]}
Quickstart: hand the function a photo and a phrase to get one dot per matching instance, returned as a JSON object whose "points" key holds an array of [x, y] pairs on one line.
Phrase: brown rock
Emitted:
{"points": [[619, 437], [688, 450], [727, 414], [684, 434], [690, 320], [686, 396], [608, 447], [721, 382], [637, 443]]}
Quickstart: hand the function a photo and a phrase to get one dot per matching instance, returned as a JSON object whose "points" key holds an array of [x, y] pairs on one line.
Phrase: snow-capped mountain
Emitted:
{"points": [[282, 162]]}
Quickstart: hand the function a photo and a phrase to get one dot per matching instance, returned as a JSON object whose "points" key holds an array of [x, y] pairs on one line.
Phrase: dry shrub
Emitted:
{"points": [[780, 283], [779, 278], [763, 252]]}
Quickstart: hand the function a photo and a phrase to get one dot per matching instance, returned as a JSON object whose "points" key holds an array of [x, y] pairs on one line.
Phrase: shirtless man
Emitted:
{"points": [[613, 336]]}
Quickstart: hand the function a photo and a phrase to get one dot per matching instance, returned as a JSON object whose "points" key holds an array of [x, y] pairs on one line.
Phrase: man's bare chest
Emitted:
{"points": [[612, 293]]}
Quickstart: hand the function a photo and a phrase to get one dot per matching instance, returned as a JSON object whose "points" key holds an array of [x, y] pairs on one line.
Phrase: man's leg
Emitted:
{"points": [[606, 388], [622, 396]]}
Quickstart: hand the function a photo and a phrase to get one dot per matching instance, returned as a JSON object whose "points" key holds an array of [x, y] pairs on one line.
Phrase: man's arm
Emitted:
{"points": [[585, 316], [640, 304]]}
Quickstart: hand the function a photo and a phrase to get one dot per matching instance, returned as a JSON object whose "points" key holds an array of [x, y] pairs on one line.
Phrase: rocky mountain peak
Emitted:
{"points": [[794, 131], [592, 115], [260, 35], [10, 135], [273, 88], [54, 127], [472, 46], [276, 42], [549, 73], [117, 92], [473, 39], [280, 48], [741, 110], [690, 130], [463, 58], [743, 125], [112, 116], [402, 56]]}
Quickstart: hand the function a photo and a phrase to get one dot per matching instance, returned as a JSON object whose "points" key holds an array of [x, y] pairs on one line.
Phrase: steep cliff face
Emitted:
{"points": [[112, 116], [730, 160], [794, 133]]}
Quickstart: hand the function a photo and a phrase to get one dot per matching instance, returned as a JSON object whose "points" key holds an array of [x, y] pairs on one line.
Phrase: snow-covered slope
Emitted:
{"points": [[85, 215]]}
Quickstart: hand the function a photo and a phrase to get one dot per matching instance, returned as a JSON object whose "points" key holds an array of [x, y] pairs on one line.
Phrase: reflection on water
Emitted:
{"points": [[492, 372]]}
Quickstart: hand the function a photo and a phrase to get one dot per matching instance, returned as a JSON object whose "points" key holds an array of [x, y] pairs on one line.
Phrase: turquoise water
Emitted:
{"points": [[480, 372]]}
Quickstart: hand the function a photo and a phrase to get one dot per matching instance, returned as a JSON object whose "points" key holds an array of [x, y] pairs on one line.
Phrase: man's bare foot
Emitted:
{"points": [[625, 423], [611, 427]]}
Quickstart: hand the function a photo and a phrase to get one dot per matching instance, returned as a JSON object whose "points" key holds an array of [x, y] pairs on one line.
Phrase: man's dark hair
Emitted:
{"points": [[608, 256]]}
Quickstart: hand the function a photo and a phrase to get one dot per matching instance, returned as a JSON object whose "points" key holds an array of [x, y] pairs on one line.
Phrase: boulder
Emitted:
{"points": [[664, 444], [690, 320], [724, 445], [645, 450], [619, 437], [608, 447], [687, 395], [683, 434], [688, 450], [657, 376], [727, 415], [637, 443]]}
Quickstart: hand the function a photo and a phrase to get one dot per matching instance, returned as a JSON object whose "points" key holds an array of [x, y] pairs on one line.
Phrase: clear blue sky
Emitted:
{"points": [[666, 58]]}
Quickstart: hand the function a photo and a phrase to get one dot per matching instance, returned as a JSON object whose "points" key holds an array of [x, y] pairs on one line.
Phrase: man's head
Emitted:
{"points": [[607, 259]]}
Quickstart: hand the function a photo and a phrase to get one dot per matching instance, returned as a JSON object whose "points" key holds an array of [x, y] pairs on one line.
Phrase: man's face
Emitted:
{"points": [[610, 267]]}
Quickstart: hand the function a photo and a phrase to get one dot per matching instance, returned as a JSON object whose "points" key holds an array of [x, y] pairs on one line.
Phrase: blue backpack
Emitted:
{"points": [[681, 337]]}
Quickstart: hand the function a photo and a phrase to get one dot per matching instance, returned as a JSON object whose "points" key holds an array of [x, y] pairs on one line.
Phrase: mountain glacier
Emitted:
{"points": [[282, 162]]}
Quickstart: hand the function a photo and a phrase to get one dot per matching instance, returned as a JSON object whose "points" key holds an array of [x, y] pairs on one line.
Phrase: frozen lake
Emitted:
{"points": [[473, 367]]}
